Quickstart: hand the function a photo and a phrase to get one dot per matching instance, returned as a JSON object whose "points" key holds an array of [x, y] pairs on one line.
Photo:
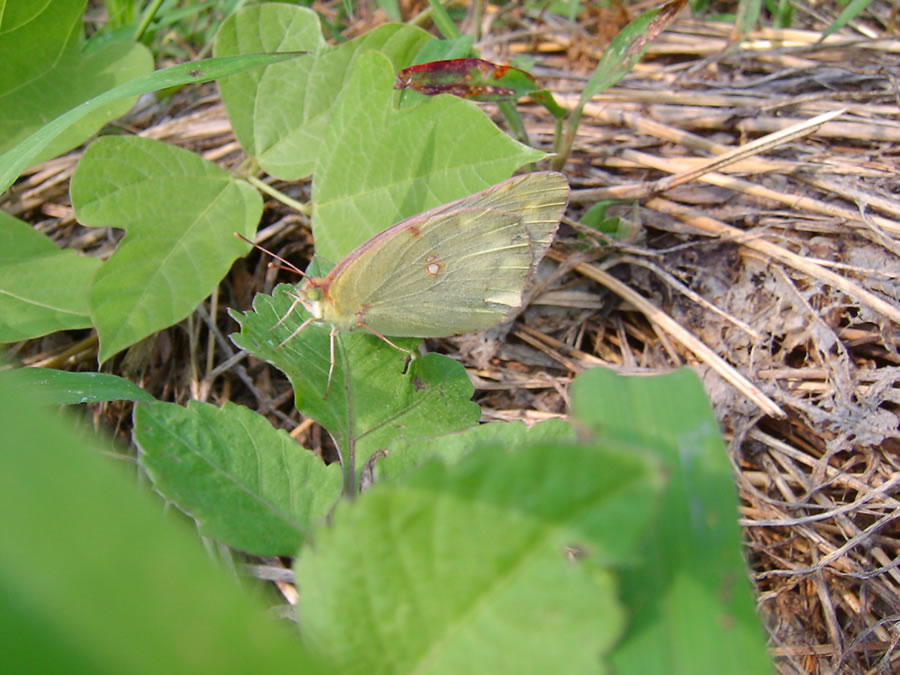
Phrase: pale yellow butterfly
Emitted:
{"points": [[456, 268]]}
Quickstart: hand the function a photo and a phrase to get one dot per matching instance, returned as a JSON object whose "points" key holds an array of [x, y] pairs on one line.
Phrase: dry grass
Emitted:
{"points": [[771, 266]]}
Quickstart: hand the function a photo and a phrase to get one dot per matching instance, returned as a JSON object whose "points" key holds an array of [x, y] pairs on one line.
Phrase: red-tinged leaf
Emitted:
{"points": [[473, 79]]}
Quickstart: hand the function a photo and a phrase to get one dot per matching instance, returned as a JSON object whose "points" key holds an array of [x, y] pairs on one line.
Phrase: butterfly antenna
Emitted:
{"points": [[285, 264]]}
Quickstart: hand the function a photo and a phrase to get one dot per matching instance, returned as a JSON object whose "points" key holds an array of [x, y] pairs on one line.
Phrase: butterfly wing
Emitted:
{"points": [[539, 199], [458, 268]]}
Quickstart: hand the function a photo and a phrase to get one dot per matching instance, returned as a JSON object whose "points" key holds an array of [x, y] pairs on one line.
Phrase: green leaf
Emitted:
{"points": [[43, 289], [247, 484], [270, 107], [180, 212], [25, 153], [49, 26], [379, 165], [280, 113], [406, 455], [45, 73], [60, 387], [503, 563], [597, 218], [693, 576], [95, 580], [372, 402]]}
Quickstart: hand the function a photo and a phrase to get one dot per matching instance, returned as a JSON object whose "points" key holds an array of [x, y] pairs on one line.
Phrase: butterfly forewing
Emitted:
{"points": [[539, 199], [455, 269]]}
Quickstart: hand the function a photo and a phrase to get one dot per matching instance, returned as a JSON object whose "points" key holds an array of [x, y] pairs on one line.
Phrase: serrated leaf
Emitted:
{"points": [[247, 484], [180, 212], [280, 113], [60, 387], [693, 575], [379, 165], [405, 455], [43, 289], [45, 73], [372, 401], [503, 563]]}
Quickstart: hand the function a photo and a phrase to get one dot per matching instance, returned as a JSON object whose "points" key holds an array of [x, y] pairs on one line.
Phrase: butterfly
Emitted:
{"points": [[456, 268]]}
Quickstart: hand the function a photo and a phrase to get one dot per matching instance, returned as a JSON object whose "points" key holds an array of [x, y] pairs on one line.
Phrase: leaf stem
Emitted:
{"points": [[300, 207]]}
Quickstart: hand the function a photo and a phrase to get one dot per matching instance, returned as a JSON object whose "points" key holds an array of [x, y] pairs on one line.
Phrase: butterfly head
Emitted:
{"points": [[312, 296]]}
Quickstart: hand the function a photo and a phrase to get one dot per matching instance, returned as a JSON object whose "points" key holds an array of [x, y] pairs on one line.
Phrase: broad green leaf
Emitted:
{"points": [[43, 289], [405, 455], [267, 105], [694, 612], [379, 165], [13, 161], [94, 578], [46, 28], [247, 484], [503, 563], [279, 114], [45, 73], [60, 387], [372, 402], [180, 212]]}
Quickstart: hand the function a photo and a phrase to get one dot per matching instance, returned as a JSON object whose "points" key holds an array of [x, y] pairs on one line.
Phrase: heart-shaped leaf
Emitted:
{"points": [[180, 212], [280, 113], [379, 164]]}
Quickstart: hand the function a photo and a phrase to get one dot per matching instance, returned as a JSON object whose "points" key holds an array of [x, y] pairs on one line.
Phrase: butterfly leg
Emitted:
{"points": [[331, 366], [296, 332], [297, 300], [410, 355]]}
